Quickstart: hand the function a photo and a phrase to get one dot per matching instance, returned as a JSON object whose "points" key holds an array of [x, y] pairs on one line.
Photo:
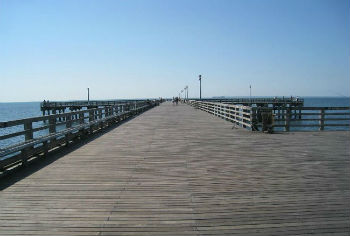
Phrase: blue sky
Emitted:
{"points": [[136, 49]]}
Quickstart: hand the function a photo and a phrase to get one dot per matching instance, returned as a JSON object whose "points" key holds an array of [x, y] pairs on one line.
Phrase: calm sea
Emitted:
{"points": [[20, 110]]}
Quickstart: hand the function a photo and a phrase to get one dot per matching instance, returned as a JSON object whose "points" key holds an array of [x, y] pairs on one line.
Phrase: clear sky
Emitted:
{"points": [[136, 49]]}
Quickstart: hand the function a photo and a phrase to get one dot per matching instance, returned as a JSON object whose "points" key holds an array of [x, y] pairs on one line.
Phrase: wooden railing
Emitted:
{"points": [[55, 130], [279, 119], [312, 118], [271, 100], [240, 115]]}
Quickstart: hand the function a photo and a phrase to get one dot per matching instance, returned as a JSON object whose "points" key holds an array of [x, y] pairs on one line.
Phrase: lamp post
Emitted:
{"points": [[184, 93], [250, 93], [200, 87], [88, 89], [187, 92]]}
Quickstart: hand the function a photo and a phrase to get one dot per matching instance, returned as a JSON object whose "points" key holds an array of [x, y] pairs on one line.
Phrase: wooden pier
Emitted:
{"points": [[176, 170]]}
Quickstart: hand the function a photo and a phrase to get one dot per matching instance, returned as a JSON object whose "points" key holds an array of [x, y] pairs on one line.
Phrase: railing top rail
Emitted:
{"points": [[89, 103], [5, 124], [256, 100]]}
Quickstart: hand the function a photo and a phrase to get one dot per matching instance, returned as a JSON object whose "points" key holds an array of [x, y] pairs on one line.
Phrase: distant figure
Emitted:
{"points": [[176, 100]]}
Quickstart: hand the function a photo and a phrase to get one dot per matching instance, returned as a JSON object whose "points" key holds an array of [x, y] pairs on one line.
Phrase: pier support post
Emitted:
{"points": [[267, 121]]}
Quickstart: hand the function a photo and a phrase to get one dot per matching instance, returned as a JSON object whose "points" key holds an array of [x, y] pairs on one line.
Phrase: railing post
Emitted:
{"points": [[68, 125], [230, 113], [253, 119], [91, 118], [68, 120], [100, 115], [99, 111], [28, 128], [52, 125], [322, 115], [81, 117]]}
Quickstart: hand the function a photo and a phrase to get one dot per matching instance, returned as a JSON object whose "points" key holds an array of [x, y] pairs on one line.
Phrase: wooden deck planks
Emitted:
{"points": [[175, 170]]}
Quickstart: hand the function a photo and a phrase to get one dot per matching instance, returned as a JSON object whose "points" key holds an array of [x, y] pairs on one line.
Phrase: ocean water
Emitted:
{"points": [[19, 110], [322, 102], [326, 101], [14, 111]]}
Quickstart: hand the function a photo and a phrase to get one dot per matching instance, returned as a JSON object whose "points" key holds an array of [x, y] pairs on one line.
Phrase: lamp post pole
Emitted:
{"points": [[88, 95], [250, 93], [187, 92], [200, 87]]}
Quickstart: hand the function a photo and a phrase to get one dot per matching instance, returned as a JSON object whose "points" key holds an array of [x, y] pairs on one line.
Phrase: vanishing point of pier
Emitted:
{"points": [[177, 170]]}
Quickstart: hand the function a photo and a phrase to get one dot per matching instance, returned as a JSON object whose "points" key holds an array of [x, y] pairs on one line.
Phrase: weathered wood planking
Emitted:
{"points": [[175, 170]]}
